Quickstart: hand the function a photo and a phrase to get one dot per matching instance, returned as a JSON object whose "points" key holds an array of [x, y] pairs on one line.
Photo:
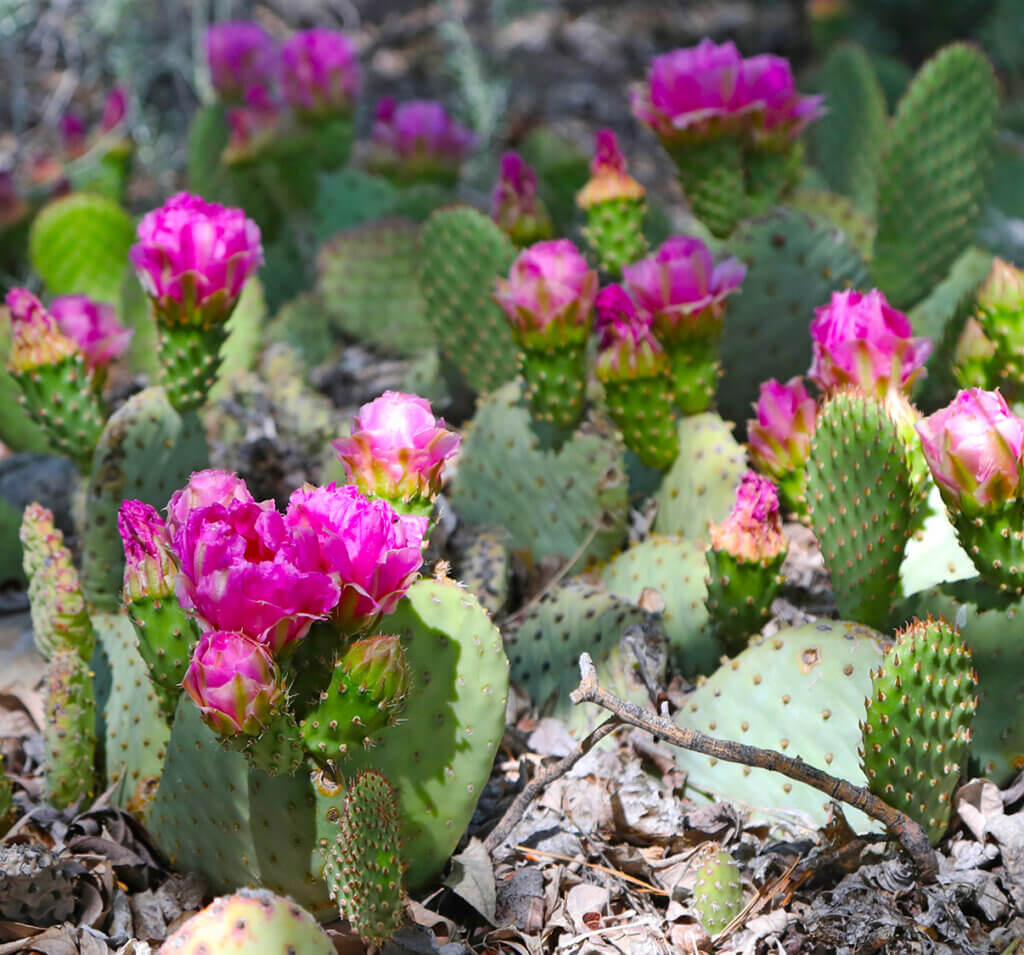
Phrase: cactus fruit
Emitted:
{"points": [[364, 863], [463, 252], [800, 691], [70, 731], [932, 172], [917, 727], [718, 892], [862, 501], [251, 922]]}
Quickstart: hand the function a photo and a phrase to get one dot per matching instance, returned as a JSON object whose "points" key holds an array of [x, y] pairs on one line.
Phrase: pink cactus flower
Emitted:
{"points": [[240, 54], [93, 326], [609, 181], [549, 292], [418, 140], [780, 112], [397, 448], [115, 109], [74, 138], [753, 531], [373, 553], [862, 340], [681, 287], [780, 437], [975, 449], [211, 486], [193, 257], [150, 569], [320, 73], [625, 343], [36, 338], [235, 683], [242, 570]]}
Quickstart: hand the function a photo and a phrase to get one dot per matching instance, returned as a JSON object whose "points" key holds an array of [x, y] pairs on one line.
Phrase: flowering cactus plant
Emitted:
{"points": [[417, 141], [320, 74], [515, 205], [240, 54]]}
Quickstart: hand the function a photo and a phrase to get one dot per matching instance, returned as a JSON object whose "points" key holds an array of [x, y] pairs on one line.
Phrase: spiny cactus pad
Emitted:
{"points": [[862, 503], [917, 725], [551, 502], [484, 566], [718, 892], [70, 731], [800, 692], [794, 264], [615, 233], [350, 198], [251, 922], [711, 174], [463, 252], [932, 174], [701, 484]]}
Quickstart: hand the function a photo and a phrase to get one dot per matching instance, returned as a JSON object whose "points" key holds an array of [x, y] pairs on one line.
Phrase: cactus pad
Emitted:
{"points": [[712, 177], [484, 565], [718, 892], [70, 731], [350, 198]]}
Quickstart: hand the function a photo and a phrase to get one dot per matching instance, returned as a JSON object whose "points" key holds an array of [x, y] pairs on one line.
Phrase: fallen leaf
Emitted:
{"points": [[472, 878]]}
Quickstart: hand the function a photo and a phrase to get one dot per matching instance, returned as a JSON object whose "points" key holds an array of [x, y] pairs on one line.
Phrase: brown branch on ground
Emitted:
{"points": [[519, 805], [910, 834]]}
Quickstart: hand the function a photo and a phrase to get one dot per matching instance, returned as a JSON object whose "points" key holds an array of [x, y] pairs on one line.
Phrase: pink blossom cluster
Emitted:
{"points": [[417, 140]]}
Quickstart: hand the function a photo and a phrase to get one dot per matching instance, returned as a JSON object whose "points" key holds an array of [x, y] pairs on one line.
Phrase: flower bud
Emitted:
{"points": [[626, 347], [780, 436], [608, 177], [514, 203], [36, 338], [753, 531], [150, 569]]}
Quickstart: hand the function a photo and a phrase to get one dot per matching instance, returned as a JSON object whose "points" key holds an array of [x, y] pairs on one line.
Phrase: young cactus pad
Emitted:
{"points": [[70, 731], [718, 892], [800, 692]]}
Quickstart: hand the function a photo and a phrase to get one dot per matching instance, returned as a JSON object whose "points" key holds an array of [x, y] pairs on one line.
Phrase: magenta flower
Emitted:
{"points": [[36, 338], [397, 448], [240, 54], [975, 449], [242, 570], [609, 180], [373, 553], [93, 327], [780, 437], [418, 140], [780, 112], [74, 139], [753, 531], [211, 486], [234, 682], [150, 569], [115, 109], [515, 205], [193, 257], [862, 340], [549, 293], [681, 287], [625, 343], [320, 73]]}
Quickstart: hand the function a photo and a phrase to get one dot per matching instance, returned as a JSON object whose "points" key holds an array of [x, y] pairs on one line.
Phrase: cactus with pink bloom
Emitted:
{"points": [[860, 340], [975, 450], [193, 259], [548, 299], [397, 451], [417, 141], [684, 292], [744, 563], [634, 370], [515, 205], [779, 438], [58, 388], [240, 54], [614, 203]]}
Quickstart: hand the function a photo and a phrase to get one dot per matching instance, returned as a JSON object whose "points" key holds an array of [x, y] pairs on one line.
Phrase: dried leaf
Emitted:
{"points": [[472, 878]]}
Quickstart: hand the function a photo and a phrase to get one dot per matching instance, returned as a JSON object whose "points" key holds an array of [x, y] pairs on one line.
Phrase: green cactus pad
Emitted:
{"points": [[251, 922], [718, 892], [166, 636], [701, 485], [840, 212], [79, 244], [794, 264], [350, 198], [917, 726], [711, 174], [995, 542], [642, 409], [555, 379], [740, 595], [857, 114], [463, 252], [551, 502], [676, 568], [245, 333], [770, 175], [484, 567], [615, 234], [364, 864], [800, 692], [932, 173], [368, 286], [190, 362], [70, 731], [301, 325], [862, 503], [147, 451]]}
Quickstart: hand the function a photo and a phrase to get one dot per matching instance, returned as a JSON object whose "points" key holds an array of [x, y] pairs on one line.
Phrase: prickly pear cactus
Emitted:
{"points": [[615, 233], [147, 450], [932, 173], [718, 892], [701, 484], [350, 198], [676, 568], [794, 263], [711, 174], [369, 289], [917, 726], [553, 503], [70, 731], [801, 692], [862, 502], [364, 864], [79, 244], [484, 566], [840, 212], [463, 252], [251, 922]]}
